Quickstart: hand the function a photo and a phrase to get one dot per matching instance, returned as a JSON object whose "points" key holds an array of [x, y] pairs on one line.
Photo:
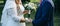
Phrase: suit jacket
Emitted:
{"points": [[44, 15]]}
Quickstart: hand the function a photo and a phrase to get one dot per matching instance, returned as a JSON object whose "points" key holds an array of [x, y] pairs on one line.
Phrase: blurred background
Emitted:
{"points": [[36, 4]]}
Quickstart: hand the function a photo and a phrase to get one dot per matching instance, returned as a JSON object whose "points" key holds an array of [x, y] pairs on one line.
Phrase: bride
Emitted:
{"points": [[13, 13]]}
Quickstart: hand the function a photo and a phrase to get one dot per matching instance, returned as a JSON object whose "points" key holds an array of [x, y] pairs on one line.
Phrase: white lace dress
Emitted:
{"points": [[10, 17]]}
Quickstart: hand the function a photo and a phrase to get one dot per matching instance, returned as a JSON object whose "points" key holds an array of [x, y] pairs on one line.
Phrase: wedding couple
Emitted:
{"points": [[13, 14]]}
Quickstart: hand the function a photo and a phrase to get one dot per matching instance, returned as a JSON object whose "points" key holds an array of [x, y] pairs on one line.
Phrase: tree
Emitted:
{"points": [[57, 6]]}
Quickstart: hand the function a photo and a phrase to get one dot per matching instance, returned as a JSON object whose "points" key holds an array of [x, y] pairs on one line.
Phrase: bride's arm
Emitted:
{"points": [[13, 14]]}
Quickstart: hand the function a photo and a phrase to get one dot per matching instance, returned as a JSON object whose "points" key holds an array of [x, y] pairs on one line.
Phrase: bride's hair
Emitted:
{"points": [[18, 1]]}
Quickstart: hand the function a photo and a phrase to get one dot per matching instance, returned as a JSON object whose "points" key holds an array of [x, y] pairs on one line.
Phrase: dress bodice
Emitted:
{"points": [[20, 11]]}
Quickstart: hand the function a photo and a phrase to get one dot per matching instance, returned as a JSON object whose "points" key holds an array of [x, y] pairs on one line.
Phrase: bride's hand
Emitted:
{"points": [[22, 20], [25, 12]]}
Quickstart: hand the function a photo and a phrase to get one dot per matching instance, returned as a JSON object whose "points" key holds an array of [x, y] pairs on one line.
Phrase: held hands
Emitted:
{"points": [[28, 20]]}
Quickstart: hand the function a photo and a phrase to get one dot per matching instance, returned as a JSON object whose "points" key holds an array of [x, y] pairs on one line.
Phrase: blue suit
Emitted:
{"points": [[44, 15]]}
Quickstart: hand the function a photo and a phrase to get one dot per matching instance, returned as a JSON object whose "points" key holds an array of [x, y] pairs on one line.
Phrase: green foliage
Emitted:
{"points": [[1, 0], [0, 13]]}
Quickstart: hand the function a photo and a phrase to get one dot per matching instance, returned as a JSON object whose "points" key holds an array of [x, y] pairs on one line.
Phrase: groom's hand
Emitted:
{"points": [[28, 20]]}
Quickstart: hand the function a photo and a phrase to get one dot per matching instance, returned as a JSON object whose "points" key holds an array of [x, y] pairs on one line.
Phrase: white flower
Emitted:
{"points": [[31, 6], [25, 5]]}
